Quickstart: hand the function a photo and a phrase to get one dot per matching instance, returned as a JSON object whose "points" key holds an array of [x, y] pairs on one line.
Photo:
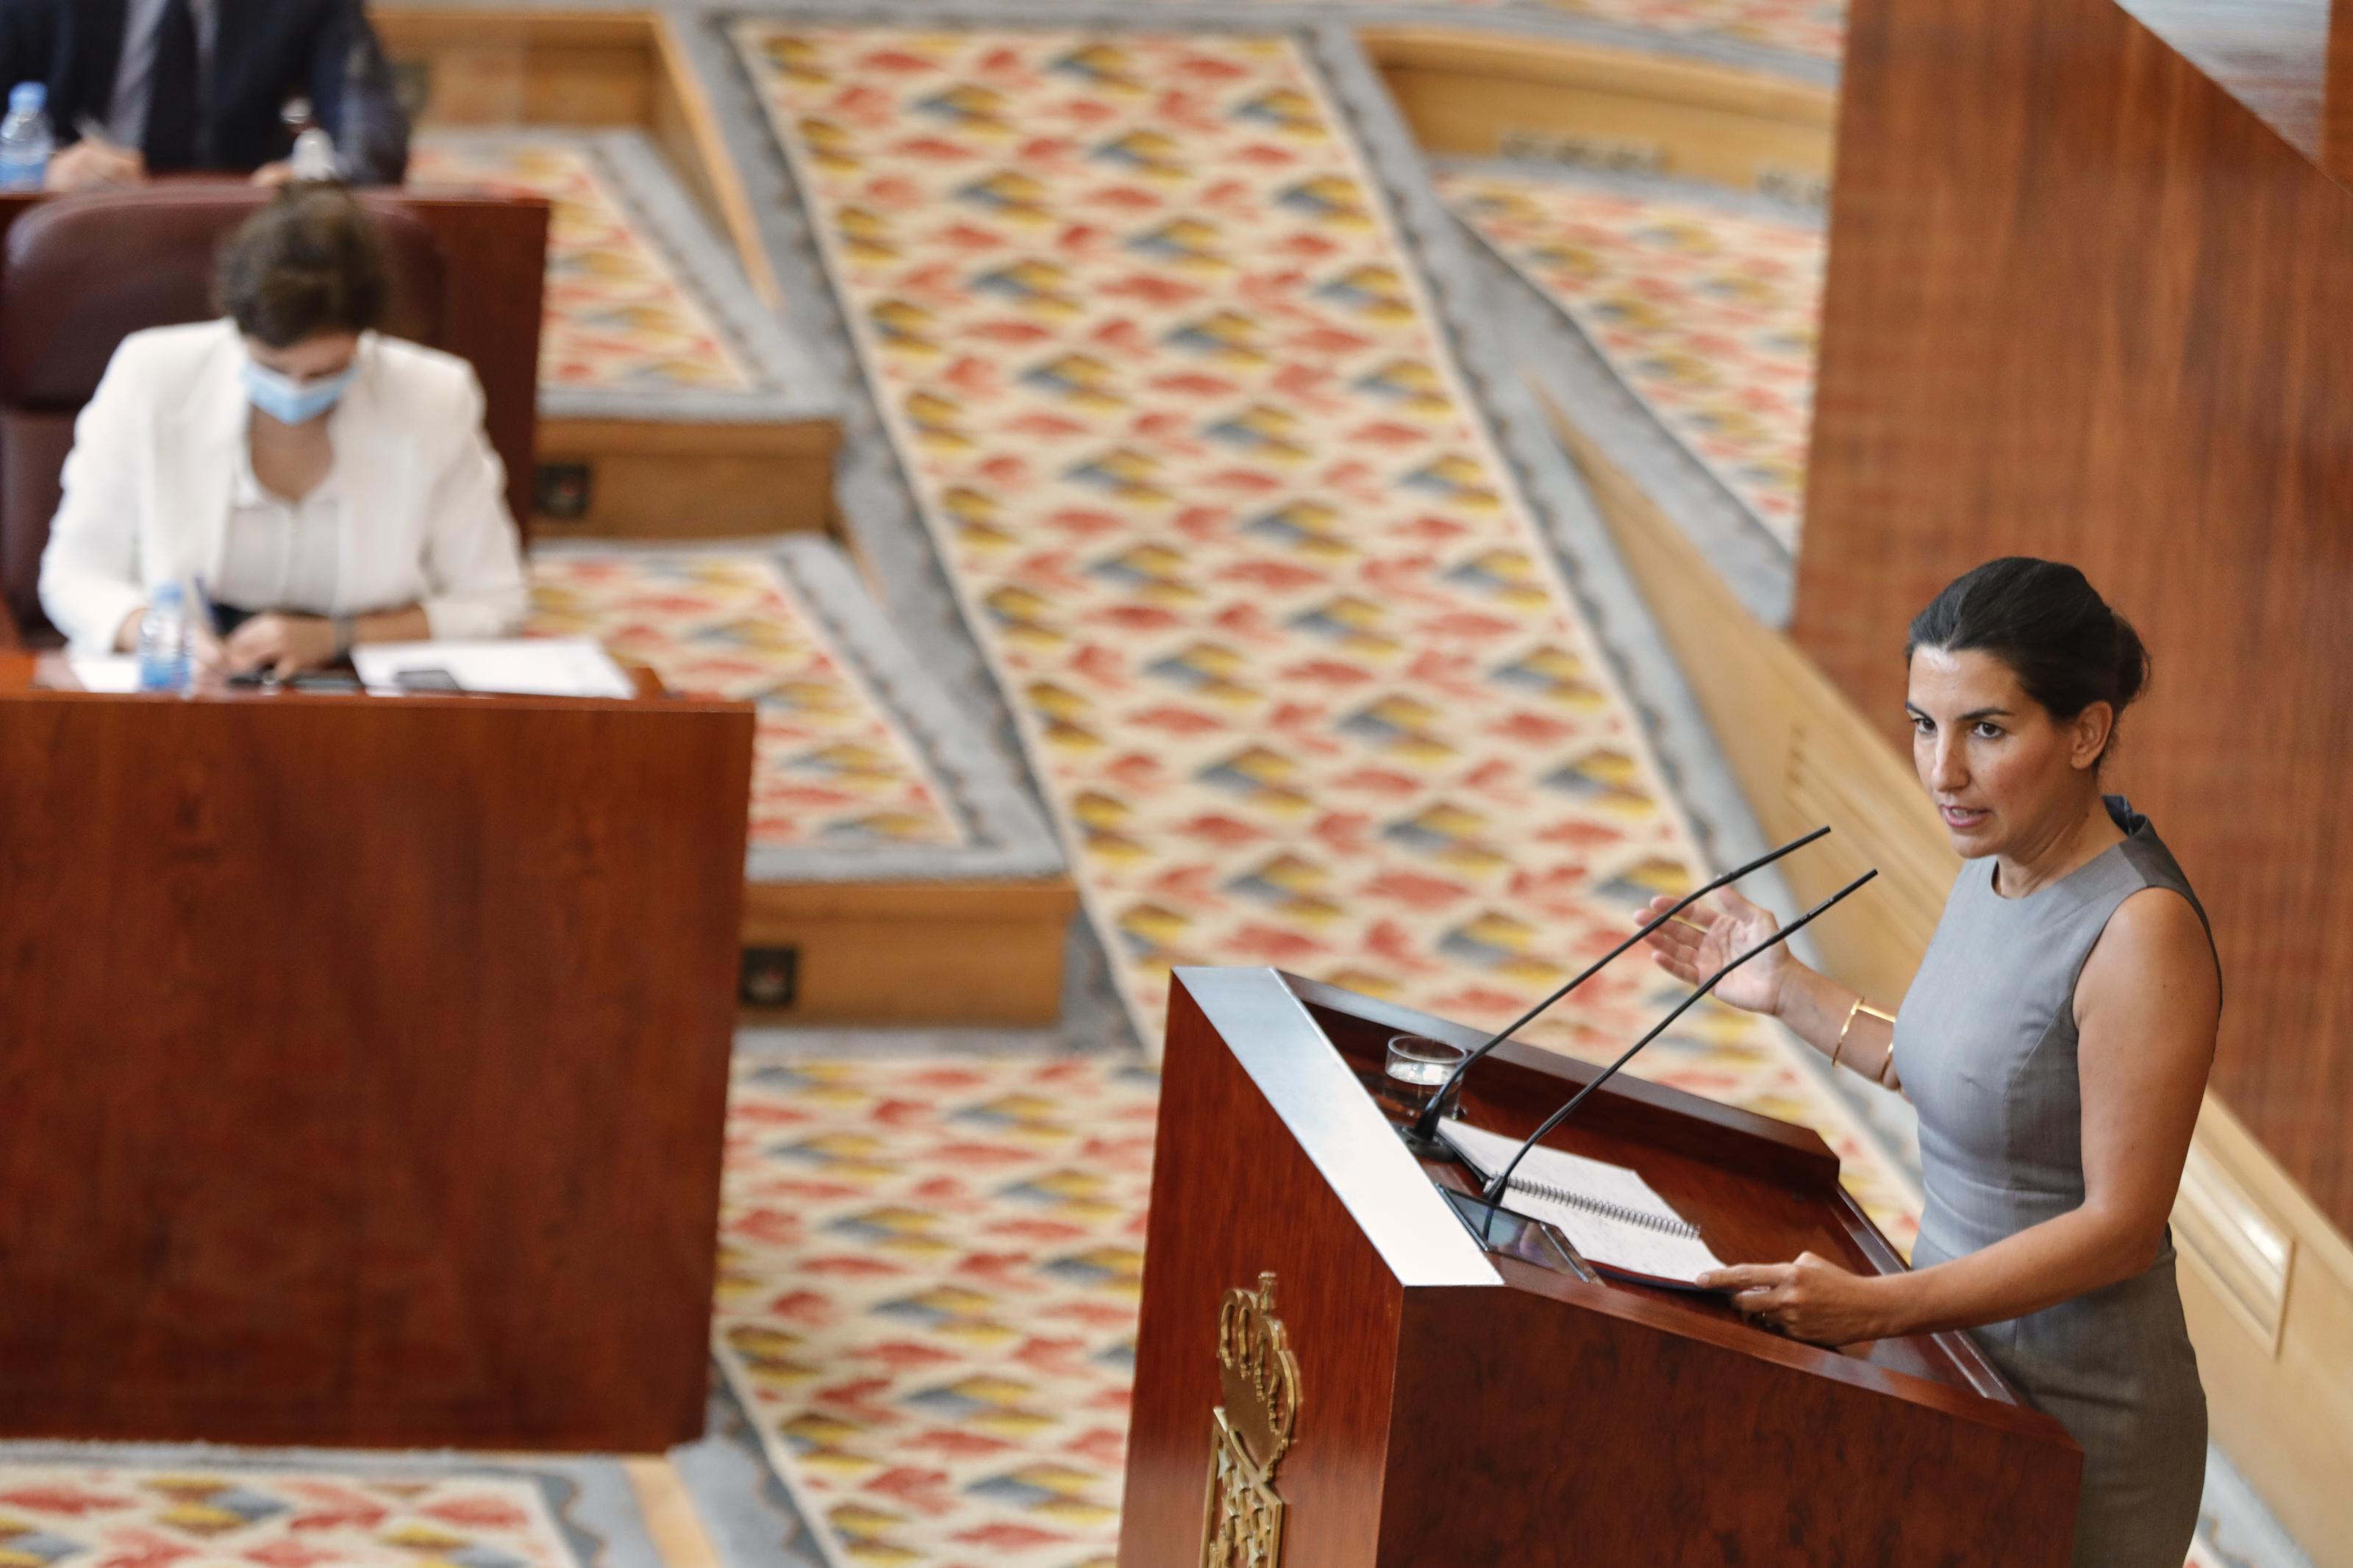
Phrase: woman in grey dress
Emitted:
{"points": [[2055, 1042]]}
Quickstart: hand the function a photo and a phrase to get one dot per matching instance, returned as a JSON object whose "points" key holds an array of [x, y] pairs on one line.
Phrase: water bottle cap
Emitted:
{"points": [[314, 155], [168, 593], [27, 97]]}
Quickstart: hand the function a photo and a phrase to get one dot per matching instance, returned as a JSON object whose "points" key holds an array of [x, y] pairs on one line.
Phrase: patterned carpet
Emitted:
{"points": [[1708, 315], [831, 765], [1288, 655], [929, 1277], [620, 314], [115, 1516]]}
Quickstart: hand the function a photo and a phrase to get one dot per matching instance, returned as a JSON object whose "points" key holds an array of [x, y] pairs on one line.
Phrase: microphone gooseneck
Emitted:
{"points": [[1492, 1192], [1424, 1129]]}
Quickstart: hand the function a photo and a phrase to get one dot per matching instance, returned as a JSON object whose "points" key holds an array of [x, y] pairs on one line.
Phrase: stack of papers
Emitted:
{"points": [[528, 667], [1615, 1219], [116, 672]]}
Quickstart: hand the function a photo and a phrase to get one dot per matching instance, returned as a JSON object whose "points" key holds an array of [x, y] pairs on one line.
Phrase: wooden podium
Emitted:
{"points": [[1408, 1397], [363, 1065]]}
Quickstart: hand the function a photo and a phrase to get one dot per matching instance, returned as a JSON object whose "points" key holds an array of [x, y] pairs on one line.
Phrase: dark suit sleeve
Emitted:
{"points": [[351, 87], [28, 48]]}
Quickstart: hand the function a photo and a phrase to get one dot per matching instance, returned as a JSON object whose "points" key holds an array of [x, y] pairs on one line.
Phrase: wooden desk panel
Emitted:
{"points": [[362, 1066]]}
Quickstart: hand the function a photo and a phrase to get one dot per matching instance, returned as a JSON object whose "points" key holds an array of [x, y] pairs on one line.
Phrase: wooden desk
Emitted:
{"points": [[363, 1064]]}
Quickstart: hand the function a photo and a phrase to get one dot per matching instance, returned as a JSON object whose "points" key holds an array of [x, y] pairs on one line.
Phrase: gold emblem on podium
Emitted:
{"points": [[1242, 1527]]}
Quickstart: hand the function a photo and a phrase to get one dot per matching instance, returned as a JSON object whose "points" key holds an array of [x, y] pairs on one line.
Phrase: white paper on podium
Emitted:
{"points": [[113, 672], [526, 667], [1612, 1217]]}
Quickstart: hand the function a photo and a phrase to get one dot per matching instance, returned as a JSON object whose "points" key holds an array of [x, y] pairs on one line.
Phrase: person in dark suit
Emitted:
{"points": [[155, 86]]}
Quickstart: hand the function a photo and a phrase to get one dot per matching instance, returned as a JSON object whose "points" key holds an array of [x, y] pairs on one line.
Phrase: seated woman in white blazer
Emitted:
{"points": [[324, 485]]}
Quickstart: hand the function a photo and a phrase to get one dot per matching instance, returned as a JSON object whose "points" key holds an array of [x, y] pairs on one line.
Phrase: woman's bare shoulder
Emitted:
{"points": [[2155, 940]]}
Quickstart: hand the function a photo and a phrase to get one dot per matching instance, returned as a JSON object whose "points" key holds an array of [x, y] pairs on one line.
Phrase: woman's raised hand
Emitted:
{"points": [[1701, 941]]}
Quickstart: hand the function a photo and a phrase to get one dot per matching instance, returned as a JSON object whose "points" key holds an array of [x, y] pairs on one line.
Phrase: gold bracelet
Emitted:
{"points": [[1863, 1006]]}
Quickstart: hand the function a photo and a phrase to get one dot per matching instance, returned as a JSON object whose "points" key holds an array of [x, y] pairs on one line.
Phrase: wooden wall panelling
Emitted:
{"points": [[2336, 95], [2084, 303], [580, 69], [684, 123], [2266, 1281], [648, 479], [2278, 1368], [676, 480], [525, 68], [902, 954], [1483, 96], [671, 1520], [2275, 57]]}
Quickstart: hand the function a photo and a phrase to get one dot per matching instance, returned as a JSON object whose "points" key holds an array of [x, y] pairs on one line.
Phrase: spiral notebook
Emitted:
{"points": [[1610, 1213]]}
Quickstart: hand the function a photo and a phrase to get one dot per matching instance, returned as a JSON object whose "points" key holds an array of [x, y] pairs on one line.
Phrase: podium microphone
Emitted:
{"points": [[1493, 1190], [1422, 1135]]}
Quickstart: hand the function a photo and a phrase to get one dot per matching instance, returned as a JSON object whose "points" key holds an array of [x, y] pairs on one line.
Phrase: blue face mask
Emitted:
{"points": [[292, 402]]}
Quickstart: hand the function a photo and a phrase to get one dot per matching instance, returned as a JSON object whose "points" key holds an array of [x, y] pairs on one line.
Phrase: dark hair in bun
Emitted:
{"points": [[2048, 623], [309, 262]]}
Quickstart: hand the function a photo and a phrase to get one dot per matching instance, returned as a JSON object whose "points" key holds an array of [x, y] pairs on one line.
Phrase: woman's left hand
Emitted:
{"points": [[1812, 1300], [282, 645]]}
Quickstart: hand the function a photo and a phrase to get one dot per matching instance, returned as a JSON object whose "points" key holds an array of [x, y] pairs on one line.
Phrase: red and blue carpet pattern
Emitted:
{"points": [[106, 1515], [1708, 315], [832, 763], [619, 316], [1286, 650], [929, 1276]]}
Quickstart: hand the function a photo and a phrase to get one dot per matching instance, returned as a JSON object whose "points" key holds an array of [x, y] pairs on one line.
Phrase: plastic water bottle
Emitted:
{"points": [[164, 642], [314, 157], [25, 140]]}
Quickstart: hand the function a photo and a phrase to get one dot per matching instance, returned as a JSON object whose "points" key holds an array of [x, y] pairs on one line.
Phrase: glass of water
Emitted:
{"points": [[1417, 1065]]}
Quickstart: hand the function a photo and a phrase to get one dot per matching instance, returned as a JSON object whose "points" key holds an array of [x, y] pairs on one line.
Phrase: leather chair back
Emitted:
{"points": [[78, 275]]}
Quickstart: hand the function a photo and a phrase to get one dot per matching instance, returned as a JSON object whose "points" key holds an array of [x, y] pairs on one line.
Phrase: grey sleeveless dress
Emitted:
{"points": [[1985, 1042]]}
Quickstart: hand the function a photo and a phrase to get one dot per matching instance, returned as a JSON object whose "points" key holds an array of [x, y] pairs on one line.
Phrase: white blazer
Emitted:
{"points": [[156, 452]]}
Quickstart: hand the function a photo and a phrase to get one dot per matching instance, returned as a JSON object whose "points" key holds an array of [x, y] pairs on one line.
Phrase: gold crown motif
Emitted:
{"points": [[1258, 1374]]}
